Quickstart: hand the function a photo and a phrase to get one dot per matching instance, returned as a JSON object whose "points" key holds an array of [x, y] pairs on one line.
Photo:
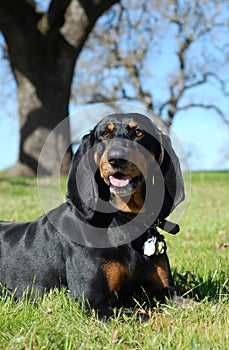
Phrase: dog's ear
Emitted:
{"points": [[82, 187], [172, 177]]}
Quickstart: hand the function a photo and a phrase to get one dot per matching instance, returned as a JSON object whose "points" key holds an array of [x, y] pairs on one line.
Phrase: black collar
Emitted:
{"points": [[164, 224]]}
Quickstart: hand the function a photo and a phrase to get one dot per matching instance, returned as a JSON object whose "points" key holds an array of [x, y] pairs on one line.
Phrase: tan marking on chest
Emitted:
{"points": [[116, 273], [160, 275]]}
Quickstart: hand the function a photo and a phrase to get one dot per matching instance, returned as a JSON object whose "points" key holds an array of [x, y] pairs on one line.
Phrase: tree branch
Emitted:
{"points": [[185, 40], [126, 66], [206, 106], [204, 80], [80, 19], [193, 85], [19, 14], [54, 18]]}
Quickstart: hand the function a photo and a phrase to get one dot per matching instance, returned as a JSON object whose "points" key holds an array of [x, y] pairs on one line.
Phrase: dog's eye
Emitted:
{"points": [[138, 133], [105, 134]]}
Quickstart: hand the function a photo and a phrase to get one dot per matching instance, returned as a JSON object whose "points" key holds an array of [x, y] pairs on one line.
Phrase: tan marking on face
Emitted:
{"points": [[152, 155], [116, 273], [105, 168], [137, 161], [110, 127], [96, 158], [132, 124]]}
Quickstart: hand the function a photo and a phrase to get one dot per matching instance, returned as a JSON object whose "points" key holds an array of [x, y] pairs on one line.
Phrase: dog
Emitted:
{"points": [[102, 244]]}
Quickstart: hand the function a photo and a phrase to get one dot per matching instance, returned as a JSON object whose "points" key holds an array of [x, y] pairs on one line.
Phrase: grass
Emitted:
{"points": [[200, 262]]}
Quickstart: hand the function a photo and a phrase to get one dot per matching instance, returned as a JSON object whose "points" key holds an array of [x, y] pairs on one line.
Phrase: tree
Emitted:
{"points": [[42, 48], [166, 54]]}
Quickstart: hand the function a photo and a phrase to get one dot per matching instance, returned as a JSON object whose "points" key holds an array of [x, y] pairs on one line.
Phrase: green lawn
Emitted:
{"points": [[201, 249]]}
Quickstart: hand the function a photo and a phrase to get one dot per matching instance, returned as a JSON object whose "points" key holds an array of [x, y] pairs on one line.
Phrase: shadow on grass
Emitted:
{"points": [[213, 287]]}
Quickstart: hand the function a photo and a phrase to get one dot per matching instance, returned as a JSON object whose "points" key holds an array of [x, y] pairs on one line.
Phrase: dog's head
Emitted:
{"points": [[127, 161]]}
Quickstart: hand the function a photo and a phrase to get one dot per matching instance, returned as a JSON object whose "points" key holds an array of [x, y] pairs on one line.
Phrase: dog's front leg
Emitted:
{"points": [[157, 280], [89, 286]]}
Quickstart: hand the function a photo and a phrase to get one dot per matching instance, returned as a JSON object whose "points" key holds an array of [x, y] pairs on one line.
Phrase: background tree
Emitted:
{"points": [[42, 48], [167, 54]]}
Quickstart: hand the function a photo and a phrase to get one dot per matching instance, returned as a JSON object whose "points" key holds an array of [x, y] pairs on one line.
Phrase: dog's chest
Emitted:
{"points": [[122, 273]]}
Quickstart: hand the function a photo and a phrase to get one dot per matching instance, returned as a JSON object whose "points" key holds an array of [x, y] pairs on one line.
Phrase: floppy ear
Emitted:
{"points": [[172, 177], [82, 187]]}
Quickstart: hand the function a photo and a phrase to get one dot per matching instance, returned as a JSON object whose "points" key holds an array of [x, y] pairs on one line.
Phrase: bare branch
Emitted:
{"points": [[134, 61], [205, 79], [54, 18], [86, 13], [189, 86], [206, 106]]}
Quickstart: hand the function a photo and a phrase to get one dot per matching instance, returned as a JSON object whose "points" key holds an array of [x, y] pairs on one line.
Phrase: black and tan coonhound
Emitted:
{"points": [[125, 179]]}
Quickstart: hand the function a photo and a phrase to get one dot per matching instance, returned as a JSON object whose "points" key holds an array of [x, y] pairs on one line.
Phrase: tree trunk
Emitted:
{"points": [[43, 96], [42, 49]]}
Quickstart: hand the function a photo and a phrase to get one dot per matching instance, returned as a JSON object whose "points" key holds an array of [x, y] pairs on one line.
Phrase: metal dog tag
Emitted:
{"points": [[150, 246]]}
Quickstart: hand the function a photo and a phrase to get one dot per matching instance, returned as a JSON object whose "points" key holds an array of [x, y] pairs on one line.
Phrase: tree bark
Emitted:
{"points": [[43, 49]]}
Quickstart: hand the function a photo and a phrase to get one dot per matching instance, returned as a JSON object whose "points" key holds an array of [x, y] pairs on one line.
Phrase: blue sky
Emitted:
{"points": [[205, 138]]}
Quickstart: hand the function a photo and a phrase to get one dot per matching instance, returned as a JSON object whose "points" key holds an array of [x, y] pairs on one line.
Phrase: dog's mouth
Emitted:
{"points": [[119, 180], [123, 184]]}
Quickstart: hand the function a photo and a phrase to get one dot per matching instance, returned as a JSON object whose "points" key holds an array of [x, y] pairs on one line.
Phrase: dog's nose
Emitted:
{"points": [[117, 157], [118, 162]]}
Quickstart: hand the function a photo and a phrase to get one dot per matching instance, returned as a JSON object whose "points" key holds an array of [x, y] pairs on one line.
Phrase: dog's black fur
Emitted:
{"points": [[92, 253]]}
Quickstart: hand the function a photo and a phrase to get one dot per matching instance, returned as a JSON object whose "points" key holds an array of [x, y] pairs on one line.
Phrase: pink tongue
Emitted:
{"points": [[124, 181]]}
